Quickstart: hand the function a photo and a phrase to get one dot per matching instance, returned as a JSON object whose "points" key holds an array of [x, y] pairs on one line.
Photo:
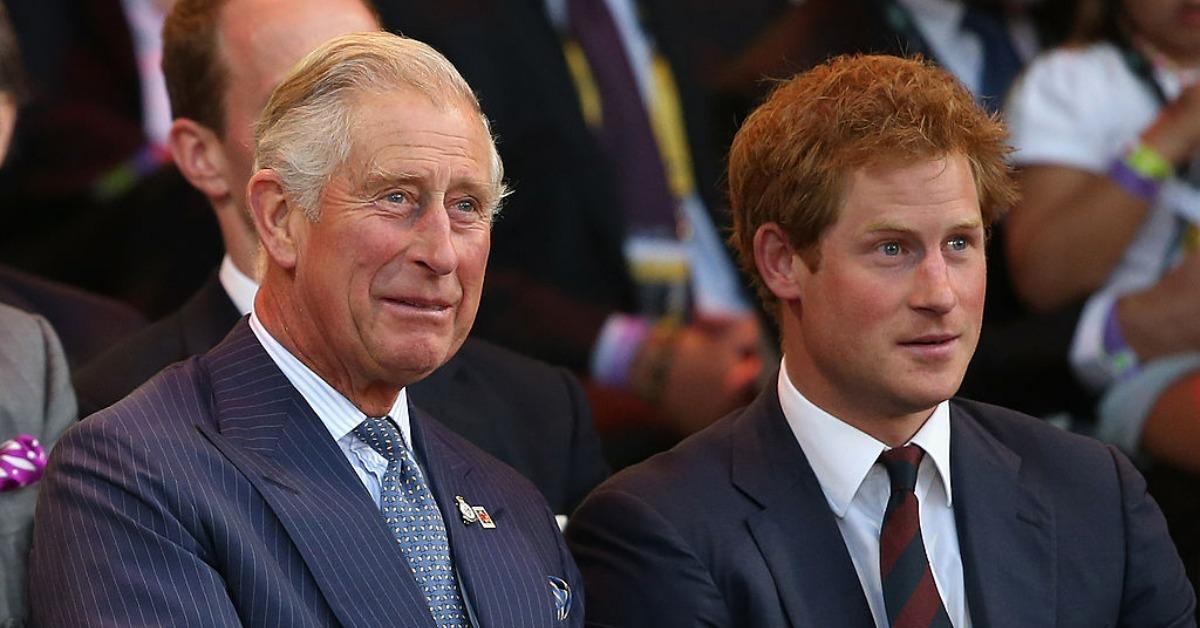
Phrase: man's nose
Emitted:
{"points": [[433, 245], [933, 287]]}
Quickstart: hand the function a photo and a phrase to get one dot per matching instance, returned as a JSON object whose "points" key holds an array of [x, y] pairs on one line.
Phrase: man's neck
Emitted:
{"points": [[893, 428], [372, 397]]}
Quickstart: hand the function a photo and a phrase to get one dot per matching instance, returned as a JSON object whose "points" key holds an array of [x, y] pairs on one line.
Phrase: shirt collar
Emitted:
{"points": [[335, 411], [841, 455], [240, 288]]}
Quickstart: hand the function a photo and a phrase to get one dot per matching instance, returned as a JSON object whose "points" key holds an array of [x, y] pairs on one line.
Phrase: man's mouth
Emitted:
{"points": [[423, 304], [930, 340]]}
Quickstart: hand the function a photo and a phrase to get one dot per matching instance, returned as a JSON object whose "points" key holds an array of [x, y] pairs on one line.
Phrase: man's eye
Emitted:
{"points": [[466, 205], [395, 197], [958, 243], [891, 249]]}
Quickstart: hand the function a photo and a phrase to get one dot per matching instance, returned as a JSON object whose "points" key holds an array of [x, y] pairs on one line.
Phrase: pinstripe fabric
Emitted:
{"points": [[213, 496]]}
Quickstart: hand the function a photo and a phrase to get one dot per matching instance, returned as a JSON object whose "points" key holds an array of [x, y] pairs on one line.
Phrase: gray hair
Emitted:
{"points": [[304, 133]]}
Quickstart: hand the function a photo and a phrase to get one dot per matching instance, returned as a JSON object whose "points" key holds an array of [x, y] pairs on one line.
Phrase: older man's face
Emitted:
{"points": [[392, 270]]}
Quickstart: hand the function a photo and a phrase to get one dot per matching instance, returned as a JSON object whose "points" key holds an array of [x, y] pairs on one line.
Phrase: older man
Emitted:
{"points": [[855, 492], [245, 487], [221, 59]]}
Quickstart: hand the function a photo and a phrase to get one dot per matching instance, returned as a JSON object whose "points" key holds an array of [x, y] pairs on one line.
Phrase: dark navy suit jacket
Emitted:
{"points": [[530, 415], [731, 528], [214, 496]]}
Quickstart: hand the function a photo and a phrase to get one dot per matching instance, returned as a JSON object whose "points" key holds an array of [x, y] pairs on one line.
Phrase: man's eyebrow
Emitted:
{"points": [[377, 178], [382, 176], [886, 225], [889, 226]]}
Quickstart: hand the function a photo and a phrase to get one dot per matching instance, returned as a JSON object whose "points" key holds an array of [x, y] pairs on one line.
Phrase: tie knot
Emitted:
{"points": [[382, 435], [902, 464]]}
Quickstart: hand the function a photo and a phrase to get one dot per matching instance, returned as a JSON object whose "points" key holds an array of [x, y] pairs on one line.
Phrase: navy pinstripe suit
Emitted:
{"points": [[213, 496]]}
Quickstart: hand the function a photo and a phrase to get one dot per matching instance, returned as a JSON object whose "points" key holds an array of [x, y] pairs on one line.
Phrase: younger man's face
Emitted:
{"points": [[889, 319]]}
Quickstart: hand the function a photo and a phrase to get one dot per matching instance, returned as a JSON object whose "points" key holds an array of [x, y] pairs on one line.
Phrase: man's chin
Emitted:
{"points": [[924, 398], [415, 362]]}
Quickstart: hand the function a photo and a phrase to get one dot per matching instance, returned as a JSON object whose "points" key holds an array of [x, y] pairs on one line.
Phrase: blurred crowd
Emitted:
{"points": [[122, 195]]}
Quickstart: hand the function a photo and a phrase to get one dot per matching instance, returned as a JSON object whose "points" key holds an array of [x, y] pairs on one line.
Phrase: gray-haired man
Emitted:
{"points": [[283, 478]]}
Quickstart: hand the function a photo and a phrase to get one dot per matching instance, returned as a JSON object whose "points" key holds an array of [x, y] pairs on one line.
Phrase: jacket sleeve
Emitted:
{"points": [[637, 569], [1157, 592], [109, 547], [588, 467]]}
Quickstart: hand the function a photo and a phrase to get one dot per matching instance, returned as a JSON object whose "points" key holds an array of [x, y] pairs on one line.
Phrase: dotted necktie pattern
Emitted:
{"points": [[413, 517], [909, 591]]}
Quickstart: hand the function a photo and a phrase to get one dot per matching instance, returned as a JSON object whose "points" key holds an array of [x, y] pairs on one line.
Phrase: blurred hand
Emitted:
{"points": [[711, 368], [1176, 132], [1164, 319], [1172, 431]]}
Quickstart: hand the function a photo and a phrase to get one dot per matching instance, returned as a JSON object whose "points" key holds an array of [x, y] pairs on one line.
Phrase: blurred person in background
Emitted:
{"points": [[36, 401], [1107, 131], [984, 43], [87, 323], [89, 164]]}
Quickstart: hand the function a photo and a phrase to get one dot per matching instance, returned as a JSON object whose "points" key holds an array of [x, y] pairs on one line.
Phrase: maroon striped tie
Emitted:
{"points": [[909, 592]]}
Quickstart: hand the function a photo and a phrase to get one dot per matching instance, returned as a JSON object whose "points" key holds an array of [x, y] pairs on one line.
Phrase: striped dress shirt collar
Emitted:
{"points": [[335, 411]]}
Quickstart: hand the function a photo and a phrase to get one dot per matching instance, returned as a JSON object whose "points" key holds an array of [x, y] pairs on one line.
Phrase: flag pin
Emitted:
{"points": [[485, 520]]}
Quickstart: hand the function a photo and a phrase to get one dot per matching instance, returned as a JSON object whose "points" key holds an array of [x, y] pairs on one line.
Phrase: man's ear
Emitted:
{"points": [[275, 219], [198, 154], [8, 119], [781, 267]]}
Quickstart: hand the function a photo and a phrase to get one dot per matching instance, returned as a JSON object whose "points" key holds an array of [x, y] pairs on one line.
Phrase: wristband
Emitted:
{"points": [[1149, 163], [1133, 182], [1119, 357]]}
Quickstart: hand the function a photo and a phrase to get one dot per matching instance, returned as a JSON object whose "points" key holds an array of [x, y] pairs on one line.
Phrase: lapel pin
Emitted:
{"points": [[485, 520], [467, 512]]}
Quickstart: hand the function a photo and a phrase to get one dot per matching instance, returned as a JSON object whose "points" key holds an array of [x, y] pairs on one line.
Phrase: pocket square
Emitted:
{"points": [[562, 597], [22, 461]]}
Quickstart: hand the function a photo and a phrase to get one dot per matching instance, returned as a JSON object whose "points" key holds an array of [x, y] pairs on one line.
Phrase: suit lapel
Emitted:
{"points": [[266, 429], [1005, 531], [207, 317], [498, 569], [796, 531]]}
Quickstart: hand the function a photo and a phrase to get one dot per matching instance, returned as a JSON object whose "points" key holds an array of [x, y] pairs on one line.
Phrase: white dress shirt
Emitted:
{"points": [[335, 411], [959, 50], [240, 288], [844, 460]]}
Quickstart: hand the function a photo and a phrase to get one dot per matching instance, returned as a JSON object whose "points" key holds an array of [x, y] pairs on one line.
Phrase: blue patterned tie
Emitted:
{"points": [[412, 514]]}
